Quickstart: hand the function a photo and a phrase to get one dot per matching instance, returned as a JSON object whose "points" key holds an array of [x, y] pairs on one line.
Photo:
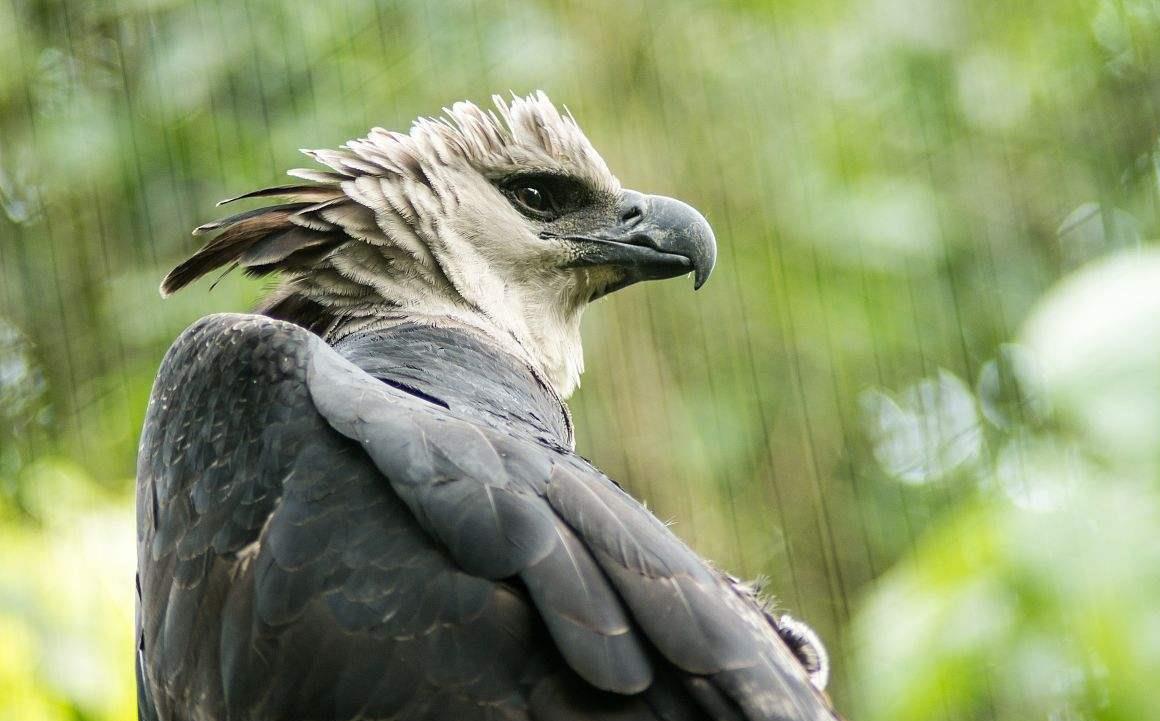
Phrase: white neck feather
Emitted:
{"points": [[536, 320]]}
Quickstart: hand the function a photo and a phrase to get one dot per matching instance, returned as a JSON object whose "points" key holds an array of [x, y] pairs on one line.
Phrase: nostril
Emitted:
{"points": [[631, 215]]}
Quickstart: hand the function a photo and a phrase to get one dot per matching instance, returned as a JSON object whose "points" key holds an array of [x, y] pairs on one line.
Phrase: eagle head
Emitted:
{"points": [[504, 221]]}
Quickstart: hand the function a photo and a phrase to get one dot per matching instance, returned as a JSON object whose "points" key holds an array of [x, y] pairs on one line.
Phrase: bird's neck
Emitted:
{"points": [[465, 371], [535, 321]]}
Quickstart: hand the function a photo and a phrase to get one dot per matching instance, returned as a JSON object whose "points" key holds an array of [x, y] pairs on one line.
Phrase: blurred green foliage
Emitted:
{"points": [[921, 393]]}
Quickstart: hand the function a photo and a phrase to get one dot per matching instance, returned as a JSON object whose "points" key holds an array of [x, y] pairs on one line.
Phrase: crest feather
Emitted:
{"points": [[525, 133]]}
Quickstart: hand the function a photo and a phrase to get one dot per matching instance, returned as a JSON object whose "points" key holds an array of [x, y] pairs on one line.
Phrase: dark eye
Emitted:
{"points": [[533, 198], [544, 196]]}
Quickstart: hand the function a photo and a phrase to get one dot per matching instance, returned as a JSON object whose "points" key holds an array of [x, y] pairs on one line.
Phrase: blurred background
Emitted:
{"points": [[920, 396]]}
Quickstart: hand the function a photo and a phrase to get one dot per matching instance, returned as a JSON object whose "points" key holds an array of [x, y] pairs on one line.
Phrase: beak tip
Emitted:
{"points": [[706, 260]]}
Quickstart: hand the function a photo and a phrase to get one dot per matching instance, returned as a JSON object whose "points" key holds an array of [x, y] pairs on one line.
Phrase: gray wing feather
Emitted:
{"points": [[270, 586], [494, 522], [281, 577], [607, 577]]}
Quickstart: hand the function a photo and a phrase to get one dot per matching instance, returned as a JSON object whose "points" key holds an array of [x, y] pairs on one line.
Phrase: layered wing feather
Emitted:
{"points": [[281, 578], [315, 543], [609, 579]]}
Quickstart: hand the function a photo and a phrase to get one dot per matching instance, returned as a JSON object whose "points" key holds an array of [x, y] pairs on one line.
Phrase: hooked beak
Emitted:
{"points": [[656, 238]]}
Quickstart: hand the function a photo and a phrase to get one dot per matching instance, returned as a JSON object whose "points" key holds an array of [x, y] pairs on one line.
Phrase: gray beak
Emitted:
{"points": [[656, 238]]}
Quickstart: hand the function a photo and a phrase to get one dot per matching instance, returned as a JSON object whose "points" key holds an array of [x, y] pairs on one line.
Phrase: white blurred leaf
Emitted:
{"points": [[1097, 338], [929, 431]]}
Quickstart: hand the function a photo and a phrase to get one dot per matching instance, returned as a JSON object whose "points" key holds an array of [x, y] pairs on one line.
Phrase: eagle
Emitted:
{"points": [[362, 501]]}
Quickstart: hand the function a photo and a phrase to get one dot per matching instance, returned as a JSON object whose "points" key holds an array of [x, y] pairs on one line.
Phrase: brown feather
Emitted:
{"points": [[276, 247], [318, 176], [245, 234], [303, 193], [228, 221], [304, 260]]}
